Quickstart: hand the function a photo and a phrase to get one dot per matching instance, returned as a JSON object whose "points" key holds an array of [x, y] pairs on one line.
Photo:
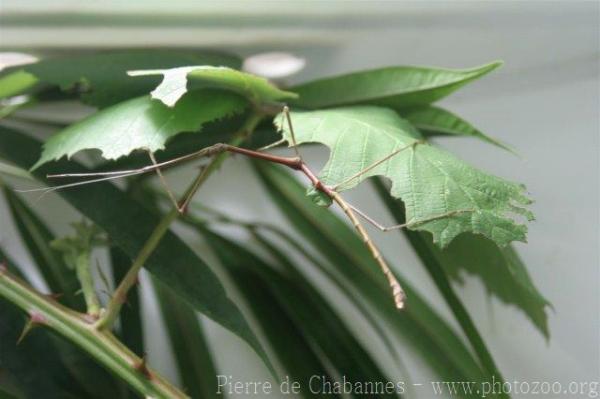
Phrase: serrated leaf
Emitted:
{"points": [[500, 269], [418, 324], [435, 121], [443, 195], [396, 87], [129, 225], [140, 123], [102, 79], [176, 81]]}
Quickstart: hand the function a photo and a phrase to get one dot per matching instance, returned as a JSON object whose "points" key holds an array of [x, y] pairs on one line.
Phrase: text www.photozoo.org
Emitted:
{"points": [[323, 385]]}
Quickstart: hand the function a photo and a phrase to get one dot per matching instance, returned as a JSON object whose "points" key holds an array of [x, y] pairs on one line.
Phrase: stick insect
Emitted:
{"points": [[296, 163]]}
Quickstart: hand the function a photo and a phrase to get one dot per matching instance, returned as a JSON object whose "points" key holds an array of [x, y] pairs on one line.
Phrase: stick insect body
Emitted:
{"points": [[295, 163]]}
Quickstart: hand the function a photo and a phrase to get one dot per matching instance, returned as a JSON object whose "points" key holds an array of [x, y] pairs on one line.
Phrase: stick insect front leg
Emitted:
{"points": [[295, 163]]}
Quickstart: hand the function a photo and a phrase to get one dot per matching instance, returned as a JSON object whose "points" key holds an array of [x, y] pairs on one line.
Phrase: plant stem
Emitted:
{"points": [[108, 319], [87, 284], [101, 345]]}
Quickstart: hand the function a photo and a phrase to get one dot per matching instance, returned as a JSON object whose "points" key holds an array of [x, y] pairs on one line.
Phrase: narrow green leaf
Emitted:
{"points": [[62, 281], [5, 394], [326, 270], [129, 225], [175, 83], [311, 313], [188, 341], [289, 344], [395, 87], [435, 121], [131, 331], [140, 124], [424, 331], [14, 171], [438, 275], [444, 195], [15, 83], [37, 238], [102, 79]]}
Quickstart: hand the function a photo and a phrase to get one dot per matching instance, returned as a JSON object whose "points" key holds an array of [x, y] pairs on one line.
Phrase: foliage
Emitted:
{"points": [[376, 123], [443, 195]]}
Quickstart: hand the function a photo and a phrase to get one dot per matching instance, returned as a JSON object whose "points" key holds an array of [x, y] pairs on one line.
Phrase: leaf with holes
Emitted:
{"points": [[140, 123], [101, 79], [443, 195], [177, 81]]}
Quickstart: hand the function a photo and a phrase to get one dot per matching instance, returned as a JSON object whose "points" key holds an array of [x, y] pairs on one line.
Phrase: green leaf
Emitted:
{"points": [[175, 83], [82, 242], [418, 324], [501, 269], [310, 312], [131, 331], [435, 121], [14, 171], [188, 341], [444, 195], [129, 225], [396, 87], [419, 242], [289, 344], [4, 394], [37, 238], [15, 83], [102, 78], [140, 124]]}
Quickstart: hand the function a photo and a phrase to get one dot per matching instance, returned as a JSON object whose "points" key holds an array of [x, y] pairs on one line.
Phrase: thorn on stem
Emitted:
{"points": [[35, 319], [54, 296], [91, 318], [142, 367]]}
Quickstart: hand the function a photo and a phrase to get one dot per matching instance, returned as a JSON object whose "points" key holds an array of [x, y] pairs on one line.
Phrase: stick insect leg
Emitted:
{"points": [[286, 115], [403, 225], [163, 181], [375, 164]]}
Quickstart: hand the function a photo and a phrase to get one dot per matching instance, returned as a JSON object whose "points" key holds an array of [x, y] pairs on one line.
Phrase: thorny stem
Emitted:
{"points": [[108, 319], [101, 345]]}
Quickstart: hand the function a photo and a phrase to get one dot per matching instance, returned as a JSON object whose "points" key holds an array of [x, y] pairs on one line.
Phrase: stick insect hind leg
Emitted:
{"points": [[397, 292]]}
